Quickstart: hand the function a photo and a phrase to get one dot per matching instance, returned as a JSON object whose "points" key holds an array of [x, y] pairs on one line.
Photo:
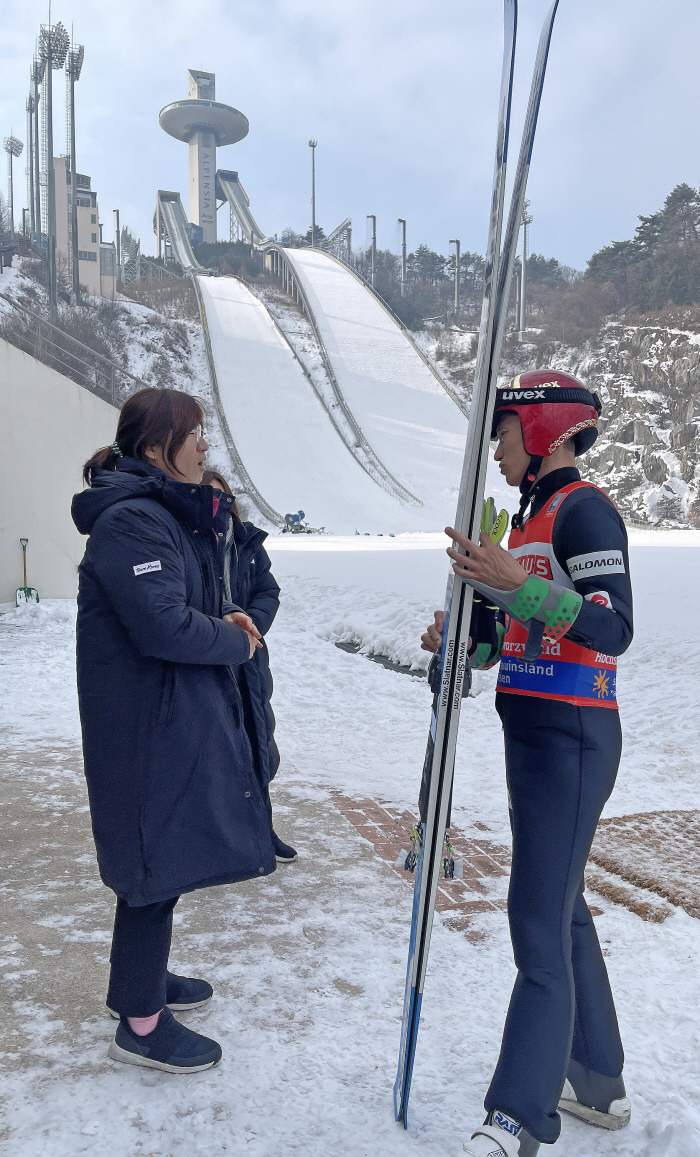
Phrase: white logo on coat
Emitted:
{"points": [[146, 567], [598, 562]]}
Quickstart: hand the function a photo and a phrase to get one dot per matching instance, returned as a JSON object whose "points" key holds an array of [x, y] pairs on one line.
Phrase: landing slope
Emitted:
{"points": [[282, 433], [415, 428]]}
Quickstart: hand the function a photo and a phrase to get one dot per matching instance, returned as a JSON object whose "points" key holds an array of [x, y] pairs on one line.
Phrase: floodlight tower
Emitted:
{"points": [[54, 43], [205, 125], [13, 147], [29, 170], [312, 146], [526, 221], [74, 63], [37, 76]]}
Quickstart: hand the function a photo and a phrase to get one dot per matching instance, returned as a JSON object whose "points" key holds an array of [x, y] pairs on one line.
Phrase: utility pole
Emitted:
{"points": [[402, 223], [526, 220], [37, 77], [74, 63], [118, 244], [457, 247], [53, 47], [312, 146], [13, 147], [371, 217]]}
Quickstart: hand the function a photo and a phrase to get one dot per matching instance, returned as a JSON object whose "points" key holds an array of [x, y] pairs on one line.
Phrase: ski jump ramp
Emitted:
{"points": [[229, 188], [281, 431], [403, 409], [290, 452]]}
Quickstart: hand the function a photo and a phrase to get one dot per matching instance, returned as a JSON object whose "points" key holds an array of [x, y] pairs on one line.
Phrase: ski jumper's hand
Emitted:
{"points": [[246, 624], [486, 563]]}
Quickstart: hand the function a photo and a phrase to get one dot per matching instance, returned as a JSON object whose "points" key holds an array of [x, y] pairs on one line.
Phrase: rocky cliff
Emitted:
{"points": [[647, 374]]}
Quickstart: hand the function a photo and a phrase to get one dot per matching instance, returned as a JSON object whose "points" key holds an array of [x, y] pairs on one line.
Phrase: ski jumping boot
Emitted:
{"points": [[501, 1136], [594, 1098]]}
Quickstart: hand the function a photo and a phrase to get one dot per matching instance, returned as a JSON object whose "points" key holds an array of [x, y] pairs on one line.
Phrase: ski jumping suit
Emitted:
{"points": [[563, 743]]}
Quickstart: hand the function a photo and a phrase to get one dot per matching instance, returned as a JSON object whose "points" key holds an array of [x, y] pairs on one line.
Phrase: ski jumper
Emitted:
{"points": [[563, 743]]}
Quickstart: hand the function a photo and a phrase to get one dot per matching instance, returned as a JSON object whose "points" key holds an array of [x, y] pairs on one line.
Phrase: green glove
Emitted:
{"points": [[493, 525]]}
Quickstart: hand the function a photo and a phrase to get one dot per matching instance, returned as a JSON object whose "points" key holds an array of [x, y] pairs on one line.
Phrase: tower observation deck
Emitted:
{"points": [[204, 124]]}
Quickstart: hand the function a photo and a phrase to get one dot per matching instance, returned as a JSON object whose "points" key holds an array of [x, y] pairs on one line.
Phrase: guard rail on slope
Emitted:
{"points": [[343, 419], [229, 188], [406, 332], [51, 345], [243, 478]]}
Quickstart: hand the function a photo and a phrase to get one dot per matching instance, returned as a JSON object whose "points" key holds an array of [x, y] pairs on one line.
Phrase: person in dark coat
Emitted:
{"points": [[175, 801], [249, 584]]}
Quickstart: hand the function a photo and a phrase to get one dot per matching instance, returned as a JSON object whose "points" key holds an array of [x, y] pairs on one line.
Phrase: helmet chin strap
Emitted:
{"points": [[527, 486]]}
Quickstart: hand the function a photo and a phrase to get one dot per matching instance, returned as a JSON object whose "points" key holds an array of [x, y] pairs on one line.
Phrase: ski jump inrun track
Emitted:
{"points": [[353, 424]]}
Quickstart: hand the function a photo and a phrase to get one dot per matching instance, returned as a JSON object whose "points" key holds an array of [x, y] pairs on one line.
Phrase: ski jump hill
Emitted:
{"points": [[376, 446]]}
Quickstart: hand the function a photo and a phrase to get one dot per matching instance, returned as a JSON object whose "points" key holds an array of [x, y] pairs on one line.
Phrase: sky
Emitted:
{"points": [[401, 96]]}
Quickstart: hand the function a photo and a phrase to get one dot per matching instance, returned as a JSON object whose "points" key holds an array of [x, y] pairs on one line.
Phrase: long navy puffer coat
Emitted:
{"points": [[174, 798], [250, 585]]}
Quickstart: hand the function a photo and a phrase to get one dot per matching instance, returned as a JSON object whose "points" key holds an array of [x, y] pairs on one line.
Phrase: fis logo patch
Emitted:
{"points": [[147, 567], [506, 1123], [598, 562]]}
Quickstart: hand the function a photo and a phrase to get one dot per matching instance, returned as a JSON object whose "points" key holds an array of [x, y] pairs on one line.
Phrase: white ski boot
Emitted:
{"points": [[594, 1098], [501, 1136]]}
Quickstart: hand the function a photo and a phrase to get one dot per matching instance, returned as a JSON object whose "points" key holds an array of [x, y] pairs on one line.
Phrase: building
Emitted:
{"points": [[98, 263]]}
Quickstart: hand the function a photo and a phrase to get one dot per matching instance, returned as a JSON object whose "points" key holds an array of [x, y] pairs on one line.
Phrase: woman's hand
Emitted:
{"points": [[432, 639], [246, 624], [487, 563]]}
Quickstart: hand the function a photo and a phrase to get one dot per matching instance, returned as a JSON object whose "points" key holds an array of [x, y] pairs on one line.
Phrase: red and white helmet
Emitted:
{"points": [[553, 407]]}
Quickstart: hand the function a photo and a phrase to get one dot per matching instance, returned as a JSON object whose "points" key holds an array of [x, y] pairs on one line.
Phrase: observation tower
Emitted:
{"points": [[205, 125]]}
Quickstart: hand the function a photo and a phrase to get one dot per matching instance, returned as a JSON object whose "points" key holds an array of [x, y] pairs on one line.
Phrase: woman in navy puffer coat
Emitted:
{"points": [[249, 584], [175, 800]]}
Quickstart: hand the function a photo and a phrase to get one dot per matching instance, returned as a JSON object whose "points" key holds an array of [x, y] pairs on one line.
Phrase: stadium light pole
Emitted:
{"points": [[37, 75], [74, 64], [457, 248], [312, 146], [526, 220], [13, 147], [30, 161], [54, 43], [118, 244], [402, 223], [371, 217]]}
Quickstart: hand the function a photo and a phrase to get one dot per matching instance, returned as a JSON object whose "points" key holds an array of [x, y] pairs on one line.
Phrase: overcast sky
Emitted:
{"points": [[401, 96]]}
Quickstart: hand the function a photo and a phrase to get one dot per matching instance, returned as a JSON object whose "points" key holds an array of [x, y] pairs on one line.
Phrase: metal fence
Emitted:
{"points": [[55, 348]]}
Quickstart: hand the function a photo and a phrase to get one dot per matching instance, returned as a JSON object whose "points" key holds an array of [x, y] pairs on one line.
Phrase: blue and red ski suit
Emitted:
{"points": [[563, 742]]}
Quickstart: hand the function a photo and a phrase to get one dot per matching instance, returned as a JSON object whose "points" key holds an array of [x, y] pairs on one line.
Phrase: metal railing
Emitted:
{"points": [[48, 344]]}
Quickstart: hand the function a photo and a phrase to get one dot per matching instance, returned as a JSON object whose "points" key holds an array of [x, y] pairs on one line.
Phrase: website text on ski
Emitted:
{"points": [[454, 665]]}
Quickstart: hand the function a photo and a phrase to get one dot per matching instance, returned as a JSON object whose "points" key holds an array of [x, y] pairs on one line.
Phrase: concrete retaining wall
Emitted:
{"points": [[49, 427]]}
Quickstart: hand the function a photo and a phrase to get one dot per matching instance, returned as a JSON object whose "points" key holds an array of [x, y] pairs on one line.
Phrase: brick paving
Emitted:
{"points": [[388, 829]]}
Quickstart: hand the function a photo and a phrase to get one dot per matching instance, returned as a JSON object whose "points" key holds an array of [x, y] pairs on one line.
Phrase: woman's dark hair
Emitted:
{"points": [[210, 476], [150, 417]]}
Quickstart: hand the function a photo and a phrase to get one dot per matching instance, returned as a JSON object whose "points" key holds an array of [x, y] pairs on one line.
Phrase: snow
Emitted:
{"points": [[284, 437], [309, 966]]}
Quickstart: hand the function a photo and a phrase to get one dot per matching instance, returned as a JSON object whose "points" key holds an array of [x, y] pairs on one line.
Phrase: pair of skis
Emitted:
{"points": [[438, 769]]}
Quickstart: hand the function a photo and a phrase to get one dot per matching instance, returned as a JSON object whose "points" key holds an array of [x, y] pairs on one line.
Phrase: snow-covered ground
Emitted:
{"points": [[310, 979]]}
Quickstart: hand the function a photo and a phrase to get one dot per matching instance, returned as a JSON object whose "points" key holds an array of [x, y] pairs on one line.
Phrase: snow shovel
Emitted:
{"points": [[25, 594]]}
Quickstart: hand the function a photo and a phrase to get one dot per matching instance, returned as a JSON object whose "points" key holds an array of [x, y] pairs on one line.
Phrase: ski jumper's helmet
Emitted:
{"points": [[553, 407]]}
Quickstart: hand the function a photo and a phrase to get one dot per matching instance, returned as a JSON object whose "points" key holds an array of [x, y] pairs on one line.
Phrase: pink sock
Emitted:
{"points": [[142, 1025]]}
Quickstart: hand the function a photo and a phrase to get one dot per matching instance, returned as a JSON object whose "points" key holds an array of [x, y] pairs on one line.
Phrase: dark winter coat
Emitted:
{"points": [[249, 584], [174, 799]]}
